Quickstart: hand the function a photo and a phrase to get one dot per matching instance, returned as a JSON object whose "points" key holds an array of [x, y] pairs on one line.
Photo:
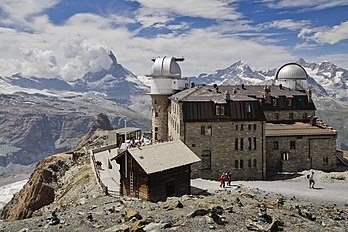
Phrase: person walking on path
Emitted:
{"points": [[222, 180], [311, 180], [229, 178]]}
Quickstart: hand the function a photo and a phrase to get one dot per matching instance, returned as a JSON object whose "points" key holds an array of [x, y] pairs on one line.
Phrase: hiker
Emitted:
{"points": [[229, 178], [222, 180], [310, 177]]}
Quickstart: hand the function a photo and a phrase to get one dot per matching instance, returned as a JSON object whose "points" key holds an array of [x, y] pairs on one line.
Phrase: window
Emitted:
{"points": [[305, 115], [275, 145], [254, 126], [249, 163], [219, 109], [241, 127], [249, 145], [289, 102], [274, 101], [255, 163], [249, 126], [291, 116], [276, 116], [209, 130], [236, 144], [206, 160], [285, 156], [241, 144], [326, 160], [255, 143], [155, 101], [202, 130], [247, 107], [292, 144], [156, 114], [236, 164], [241, 164], [236, 126]]}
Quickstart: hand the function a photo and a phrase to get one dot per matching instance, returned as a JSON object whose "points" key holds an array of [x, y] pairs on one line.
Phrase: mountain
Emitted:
{"points": [[44, 116]]}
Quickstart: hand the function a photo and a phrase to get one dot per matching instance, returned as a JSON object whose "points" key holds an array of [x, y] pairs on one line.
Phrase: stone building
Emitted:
{"points": [[252, 131]]}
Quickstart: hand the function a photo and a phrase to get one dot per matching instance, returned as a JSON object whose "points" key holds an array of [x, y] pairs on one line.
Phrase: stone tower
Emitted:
{"points": [[165, 81]]}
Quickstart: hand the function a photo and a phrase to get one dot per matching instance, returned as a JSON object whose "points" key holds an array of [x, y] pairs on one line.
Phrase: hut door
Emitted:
{"points": [[170, 188]]}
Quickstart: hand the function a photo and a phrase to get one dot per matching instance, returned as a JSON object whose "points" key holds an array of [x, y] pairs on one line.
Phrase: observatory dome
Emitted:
{"points": [[166, 67], [291, 71]]}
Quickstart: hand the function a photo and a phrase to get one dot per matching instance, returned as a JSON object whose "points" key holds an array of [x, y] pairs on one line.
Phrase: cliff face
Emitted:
{"points": [[40, 189]]}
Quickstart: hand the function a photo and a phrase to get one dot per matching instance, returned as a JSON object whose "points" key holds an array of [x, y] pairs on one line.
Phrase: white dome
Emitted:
{"points": [[291, 71], [166, 67]]}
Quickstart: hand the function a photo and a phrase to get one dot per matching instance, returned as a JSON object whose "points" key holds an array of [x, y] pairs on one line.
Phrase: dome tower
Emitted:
{"points": [[292, 75], [165, 81]]}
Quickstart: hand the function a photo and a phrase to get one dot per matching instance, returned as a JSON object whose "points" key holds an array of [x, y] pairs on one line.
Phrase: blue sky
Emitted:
{"points": [[67, 38]]}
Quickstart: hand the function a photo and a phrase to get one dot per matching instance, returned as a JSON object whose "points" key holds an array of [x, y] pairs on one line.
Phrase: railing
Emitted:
{"points": [[97, 174]]}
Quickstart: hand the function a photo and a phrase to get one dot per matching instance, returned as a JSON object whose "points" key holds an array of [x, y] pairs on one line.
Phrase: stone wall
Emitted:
{"points": [[218, 139], [317, 152], [159, 117], [174, 120]]}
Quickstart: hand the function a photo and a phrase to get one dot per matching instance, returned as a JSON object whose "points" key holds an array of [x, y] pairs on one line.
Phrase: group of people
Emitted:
{"points": [[226, 176]]}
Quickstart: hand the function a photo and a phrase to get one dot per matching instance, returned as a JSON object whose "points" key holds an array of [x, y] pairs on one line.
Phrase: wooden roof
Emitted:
{"points": [[162, 156], [296, 129]]}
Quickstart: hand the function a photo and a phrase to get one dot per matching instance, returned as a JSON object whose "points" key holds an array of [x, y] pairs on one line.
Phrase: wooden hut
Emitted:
{"points": [[157, 171]]}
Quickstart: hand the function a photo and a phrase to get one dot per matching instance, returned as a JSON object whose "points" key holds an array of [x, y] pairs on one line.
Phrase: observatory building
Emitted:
{"points": [[252, 131]]}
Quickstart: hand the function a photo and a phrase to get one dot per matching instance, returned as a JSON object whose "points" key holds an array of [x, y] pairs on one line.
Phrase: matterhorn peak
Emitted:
{"points": [[113, 58]]}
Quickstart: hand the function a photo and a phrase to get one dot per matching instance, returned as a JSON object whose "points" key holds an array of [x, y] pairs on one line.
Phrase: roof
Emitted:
{"points": [[296, 129], [236, 92], [166, 67], [125, 130], [291, 71], [163, 156]]}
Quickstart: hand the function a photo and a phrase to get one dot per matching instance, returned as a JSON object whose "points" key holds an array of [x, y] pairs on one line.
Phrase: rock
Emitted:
{"points": [[138, 226], [179, 205], [198, 212], [131, 212], [305, 213], [23, 230], [118, 228]]}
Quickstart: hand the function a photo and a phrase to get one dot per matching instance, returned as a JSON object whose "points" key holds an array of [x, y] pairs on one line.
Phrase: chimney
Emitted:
{"points": [[227, 96], [309, 95], [267, 94]]}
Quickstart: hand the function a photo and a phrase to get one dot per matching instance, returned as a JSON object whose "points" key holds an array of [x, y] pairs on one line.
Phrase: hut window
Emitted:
{"points": [[236, 144], [255, 140], [156, 114], [249, 126], [206, 160], [241, 127], [236, 126], [155, 101], [206, 130], [249, 143], [241, 164], [254, 126], [241, 144], [292, 144], [219, 109], [209, 130], [275, 145]]}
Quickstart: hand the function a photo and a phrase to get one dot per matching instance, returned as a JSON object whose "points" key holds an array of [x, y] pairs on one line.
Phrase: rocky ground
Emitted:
{"points": [[80, 205]]}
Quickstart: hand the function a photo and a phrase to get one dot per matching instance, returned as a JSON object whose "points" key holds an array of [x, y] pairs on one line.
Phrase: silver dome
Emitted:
{"points": [[291, 71], [166, 67]]}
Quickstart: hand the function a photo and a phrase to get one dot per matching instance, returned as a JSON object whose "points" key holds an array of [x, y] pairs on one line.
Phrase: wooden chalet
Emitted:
{"points": [[157, 171]]}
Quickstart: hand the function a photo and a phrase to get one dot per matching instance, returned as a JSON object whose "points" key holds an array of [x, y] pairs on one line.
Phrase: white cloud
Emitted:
{"points": [[326, 35], [288, 24], [308, 4]]}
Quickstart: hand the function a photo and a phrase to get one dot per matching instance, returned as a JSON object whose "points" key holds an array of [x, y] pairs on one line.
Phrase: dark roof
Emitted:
{"points": [[237, 93]]}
